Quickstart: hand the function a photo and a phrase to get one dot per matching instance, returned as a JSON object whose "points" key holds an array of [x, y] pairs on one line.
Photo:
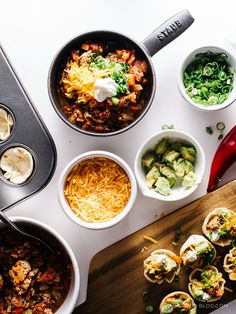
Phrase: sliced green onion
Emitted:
{"points": [[146, 295], [115, 101], [167, 127], [207, 71], [149, 309], [220, 136], [176, 278], [209, 130], [187, 235], [220, 126], [177, 237]]}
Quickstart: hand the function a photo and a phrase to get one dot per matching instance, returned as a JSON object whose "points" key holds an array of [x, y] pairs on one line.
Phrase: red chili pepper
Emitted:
{"points": [[223, 159]]}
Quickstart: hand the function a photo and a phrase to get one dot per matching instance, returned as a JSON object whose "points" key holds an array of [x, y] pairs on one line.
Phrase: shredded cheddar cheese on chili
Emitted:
{"points": [[97, 189], [80, 80]]}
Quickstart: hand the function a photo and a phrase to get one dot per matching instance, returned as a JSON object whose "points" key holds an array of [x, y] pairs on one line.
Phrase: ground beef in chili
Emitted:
{"points": [[32, 279]]}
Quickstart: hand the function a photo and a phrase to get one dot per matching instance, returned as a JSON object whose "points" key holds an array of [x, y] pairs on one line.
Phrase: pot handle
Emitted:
{"points": [[167, 32]]}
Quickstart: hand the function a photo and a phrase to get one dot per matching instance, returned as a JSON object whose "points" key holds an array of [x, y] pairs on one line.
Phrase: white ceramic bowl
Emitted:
{"points": [[70, 301], [65, 206], [177, 192], [232, 62]]}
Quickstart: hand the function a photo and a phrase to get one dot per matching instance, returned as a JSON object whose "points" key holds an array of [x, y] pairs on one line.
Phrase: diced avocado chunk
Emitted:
{"points": [[202, 248], [153, 173], [170, 156], [148, 159], [188, 166], [189, 179], [179, 168], [182, 167], [157, 165], [188, 153], [172, 181], [167, 172], [197, 292], [152, 176], [150, 182], [176, 146], [167, 308], [162, 147], [163, 186]]}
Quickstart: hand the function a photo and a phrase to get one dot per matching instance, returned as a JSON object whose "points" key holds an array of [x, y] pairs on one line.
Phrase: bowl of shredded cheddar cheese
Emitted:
{"points": [[97, 189]]}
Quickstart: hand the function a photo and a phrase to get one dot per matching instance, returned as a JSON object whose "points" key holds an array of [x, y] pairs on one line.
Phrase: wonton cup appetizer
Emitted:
{"points": [[230, 264], [206, 285], [178, 302], [162, 265], [220, 226], [197, 251]]}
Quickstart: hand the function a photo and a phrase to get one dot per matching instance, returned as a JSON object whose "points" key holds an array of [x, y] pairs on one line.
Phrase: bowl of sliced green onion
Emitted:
{"points": [[207, 78]]}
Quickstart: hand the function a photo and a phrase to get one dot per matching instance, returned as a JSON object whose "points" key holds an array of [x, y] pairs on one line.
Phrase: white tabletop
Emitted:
{"points": [[32, 32]]}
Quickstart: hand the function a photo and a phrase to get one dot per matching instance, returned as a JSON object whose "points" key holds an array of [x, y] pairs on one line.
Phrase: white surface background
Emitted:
{"points": [[33, 31]]}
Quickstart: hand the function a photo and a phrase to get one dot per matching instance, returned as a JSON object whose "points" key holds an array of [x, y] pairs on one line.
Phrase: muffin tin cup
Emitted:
{"points": [[2, 106], [29, 132], [15, 145]]}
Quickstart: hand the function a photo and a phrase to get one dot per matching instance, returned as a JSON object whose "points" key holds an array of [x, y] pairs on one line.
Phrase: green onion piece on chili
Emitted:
{"points": [[115, 101]]}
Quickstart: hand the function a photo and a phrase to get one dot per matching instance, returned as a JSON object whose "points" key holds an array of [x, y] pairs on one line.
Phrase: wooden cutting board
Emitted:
{"points": [[116, 281]]}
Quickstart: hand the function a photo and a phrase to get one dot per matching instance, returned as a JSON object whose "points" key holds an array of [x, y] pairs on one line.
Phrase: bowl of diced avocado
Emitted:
{"points": [[169, 165]]}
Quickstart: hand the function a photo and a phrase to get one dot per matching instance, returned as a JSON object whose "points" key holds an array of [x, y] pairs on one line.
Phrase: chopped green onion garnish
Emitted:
{"points": [[149, 308], [177, 237], [176, 278], [115, 101], [220, 136], [187, 235], [167, 127], [209, 130], [220, 126], [146, 295]]}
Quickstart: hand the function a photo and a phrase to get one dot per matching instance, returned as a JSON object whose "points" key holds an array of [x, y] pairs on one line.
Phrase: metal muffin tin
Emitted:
{"points": [[28, 132]]}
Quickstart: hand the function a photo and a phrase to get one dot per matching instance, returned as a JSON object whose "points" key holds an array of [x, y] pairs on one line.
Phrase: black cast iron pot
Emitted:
{"points": [[162, 36]]}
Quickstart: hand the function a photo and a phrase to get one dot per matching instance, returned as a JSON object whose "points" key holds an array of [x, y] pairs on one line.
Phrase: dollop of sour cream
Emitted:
{"points": [[215, 236], [17, 163], [205, 296], [6, 124], [191, 256], [160, 258], [104, 88]]}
